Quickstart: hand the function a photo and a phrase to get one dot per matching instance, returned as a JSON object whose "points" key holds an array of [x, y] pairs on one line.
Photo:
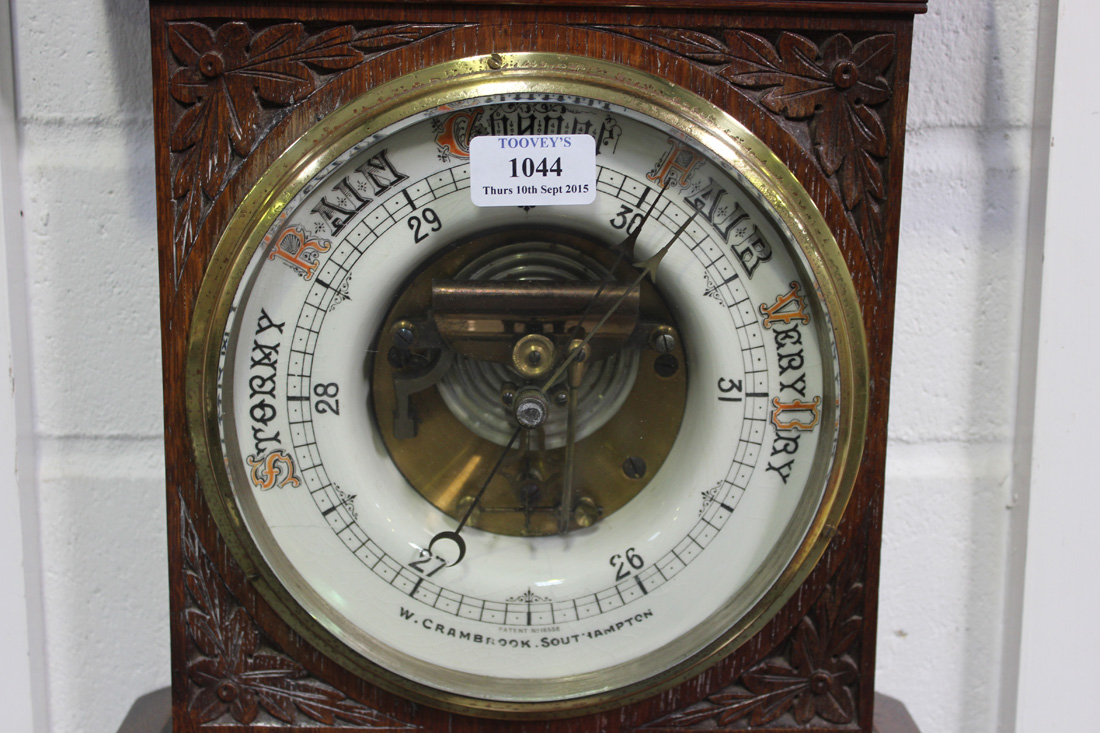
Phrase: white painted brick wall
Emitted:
{"points": [[957, 339], [83, 74], [87, 156]]}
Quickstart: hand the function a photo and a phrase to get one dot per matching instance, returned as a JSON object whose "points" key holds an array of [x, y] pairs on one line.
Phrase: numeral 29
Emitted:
{"points": [[426, 217]]}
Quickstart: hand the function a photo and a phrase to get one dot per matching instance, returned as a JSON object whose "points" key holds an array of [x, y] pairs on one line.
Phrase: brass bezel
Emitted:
{"points": [[536, 73]]}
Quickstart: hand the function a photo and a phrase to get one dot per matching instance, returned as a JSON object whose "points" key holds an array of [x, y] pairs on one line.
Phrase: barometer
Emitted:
{"points": [[526, 366], [527, 384]]}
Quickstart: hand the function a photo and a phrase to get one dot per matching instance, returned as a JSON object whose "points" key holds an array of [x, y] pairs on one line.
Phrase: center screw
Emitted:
{"points": [[530, 408]]}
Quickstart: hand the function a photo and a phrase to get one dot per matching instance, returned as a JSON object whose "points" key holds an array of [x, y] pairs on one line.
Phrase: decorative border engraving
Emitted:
{"points": [[233, 84], [812, 680], [237, 671], [836, 89]]}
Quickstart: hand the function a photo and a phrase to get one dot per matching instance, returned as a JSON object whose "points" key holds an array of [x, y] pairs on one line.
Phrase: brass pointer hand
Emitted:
{"points": [[625, 249], [573, 390], [576, 349], [648, 267]]}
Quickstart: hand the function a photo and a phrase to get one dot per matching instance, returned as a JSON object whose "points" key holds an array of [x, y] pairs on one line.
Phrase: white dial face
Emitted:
{"points": [[614, 597]]}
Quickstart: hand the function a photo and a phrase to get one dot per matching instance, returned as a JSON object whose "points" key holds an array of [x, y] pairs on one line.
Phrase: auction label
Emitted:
{"points": [[532, 170]]}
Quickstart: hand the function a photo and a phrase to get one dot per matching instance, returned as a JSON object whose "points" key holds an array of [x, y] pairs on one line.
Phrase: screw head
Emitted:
{"points": [[634, 467], [404, 335], [664, 340], [585, 513], [666, 365], [528, 490]]}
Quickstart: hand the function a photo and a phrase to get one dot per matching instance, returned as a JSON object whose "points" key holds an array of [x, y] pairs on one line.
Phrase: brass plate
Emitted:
{"points": [[450, 478]]}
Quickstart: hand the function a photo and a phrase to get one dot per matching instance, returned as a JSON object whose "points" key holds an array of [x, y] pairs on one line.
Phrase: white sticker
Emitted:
{"points": [[532, 170]]}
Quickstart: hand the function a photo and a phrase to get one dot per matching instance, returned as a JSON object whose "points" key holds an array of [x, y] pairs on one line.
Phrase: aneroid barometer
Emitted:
{"points": [[522, 385]]}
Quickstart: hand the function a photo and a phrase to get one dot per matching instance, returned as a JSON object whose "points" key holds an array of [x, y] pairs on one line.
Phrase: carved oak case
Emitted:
{"points": [[822, 82]]}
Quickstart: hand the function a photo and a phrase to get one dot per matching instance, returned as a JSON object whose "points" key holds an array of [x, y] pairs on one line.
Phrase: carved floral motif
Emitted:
{"points": [[812, 680], [237, 671], [837, 88], [233, 83]]}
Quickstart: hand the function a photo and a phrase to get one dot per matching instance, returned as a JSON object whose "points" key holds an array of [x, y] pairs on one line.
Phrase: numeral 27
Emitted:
{"points": [[424, 562]]}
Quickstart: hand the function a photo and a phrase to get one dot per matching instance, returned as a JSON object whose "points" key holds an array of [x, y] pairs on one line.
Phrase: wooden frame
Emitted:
{"points": [[823, 83]]}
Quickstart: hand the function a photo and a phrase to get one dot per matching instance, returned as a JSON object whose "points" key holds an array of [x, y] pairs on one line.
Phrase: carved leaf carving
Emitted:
{"points": [[389, 37], [812, 678], [237, 671], [234, 83], [835, 88]]}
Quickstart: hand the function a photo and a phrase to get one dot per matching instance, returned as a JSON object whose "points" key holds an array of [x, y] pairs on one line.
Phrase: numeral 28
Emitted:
{"points": [[327, 392]]}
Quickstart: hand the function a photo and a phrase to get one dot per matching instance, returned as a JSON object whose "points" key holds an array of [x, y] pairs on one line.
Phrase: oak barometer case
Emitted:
{"points": [[510, 386]]}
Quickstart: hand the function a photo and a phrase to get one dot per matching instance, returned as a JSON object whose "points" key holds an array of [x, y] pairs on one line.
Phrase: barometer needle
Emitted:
{"points": [[648, 267], [454, 535], [625, 249]]}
